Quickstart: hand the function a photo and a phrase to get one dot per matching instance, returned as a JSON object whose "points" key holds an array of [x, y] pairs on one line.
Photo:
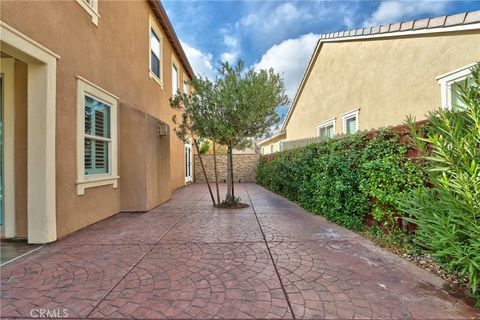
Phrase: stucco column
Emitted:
{"points": [[42, 227]]}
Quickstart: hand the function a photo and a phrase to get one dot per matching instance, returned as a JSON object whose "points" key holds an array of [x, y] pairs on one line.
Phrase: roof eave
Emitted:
{"points": [[164, 21]]}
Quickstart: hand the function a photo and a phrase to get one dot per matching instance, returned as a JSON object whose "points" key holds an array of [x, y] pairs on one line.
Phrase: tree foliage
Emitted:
{"points": [[236, 108], [448, 213]]}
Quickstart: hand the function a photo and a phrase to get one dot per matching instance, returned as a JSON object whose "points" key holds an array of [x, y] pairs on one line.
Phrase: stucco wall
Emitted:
{"points": [[115, 56], [266, 147], [245, 166], [387, 79]]}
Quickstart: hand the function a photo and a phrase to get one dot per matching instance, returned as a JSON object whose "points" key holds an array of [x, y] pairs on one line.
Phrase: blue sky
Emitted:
{"points": [[282, 34]]}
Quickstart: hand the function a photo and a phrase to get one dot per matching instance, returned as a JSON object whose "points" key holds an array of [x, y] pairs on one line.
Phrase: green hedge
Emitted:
{"points": [[345, 179]]}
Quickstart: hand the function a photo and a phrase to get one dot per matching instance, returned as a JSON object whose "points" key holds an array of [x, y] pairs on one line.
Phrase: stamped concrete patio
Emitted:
{"points": [[185, 259]]}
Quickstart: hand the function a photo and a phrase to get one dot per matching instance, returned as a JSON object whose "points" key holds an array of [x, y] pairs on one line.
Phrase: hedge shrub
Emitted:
{"points": [[344, 179]]}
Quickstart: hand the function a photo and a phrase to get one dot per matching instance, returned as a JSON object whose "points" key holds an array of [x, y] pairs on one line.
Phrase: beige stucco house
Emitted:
{"points": [[272, 144], [374, 77], [86, 121]]}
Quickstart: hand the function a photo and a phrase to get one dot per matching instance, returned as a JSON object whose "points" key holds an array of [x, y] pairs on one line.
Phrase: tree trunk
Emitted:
{"points": [[230, 187], [215, 169], [204, 172]]}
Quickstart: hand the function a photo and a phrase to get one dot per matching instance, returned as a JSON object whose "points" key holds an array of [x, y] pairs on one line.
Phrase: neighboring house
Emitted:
{"points": [[86, 127], [272, 144], [374, 77]]}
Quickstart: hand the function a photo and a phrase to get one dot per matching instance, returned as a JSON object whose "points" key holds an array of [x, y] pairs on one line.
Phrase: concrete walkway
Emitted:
{"points": [[185, 259]]}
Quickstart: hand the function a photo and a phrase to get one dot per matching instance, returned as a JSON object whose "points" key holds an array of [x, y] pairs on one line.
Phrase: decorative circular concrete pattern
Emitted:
{"points": [[56, 277], [185, 259], [199, 281], [213, 227]]}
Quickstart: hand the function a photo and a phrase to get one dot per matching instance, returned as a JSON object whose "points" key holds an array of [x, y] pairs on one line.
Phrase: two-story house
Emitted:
{"points": [[86, 122]]}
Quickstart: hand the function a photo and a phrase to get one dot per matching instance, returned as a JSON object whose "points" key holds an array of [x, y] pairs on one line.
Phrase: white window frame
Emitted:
{"points": [[91, 8], [325, 124], [185, 84], [271, 148], [446, 80], [85, 87], [348, 115], [153, 25], [176, 65]]}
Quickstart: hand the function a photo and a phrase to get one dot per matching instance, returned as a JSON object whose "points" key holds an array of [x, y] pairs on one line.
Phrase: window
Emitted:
{"points": [[154, 53], [96, 136], [174, 79], [280, 146], [263, 150], [350, 122], [271, 148], [326, 129], [185, 86], [450, 87], [91, 7]]}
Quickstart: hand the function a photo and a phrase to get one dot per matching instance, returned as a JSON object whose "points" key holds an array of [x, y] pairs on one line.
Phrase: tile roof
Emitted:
{"points": [[413, 25]]}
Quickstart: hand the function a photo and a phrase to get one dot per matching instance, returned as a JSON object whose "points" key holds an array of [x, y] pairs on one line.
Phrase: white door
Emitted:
{"points": [[188, 162]]}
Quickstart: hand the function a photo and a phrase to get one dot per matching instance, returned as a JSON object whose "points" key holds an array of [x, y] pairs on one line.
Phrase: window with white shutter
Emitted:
{"points": [[326, 129], [350, 122], [97, 136]]}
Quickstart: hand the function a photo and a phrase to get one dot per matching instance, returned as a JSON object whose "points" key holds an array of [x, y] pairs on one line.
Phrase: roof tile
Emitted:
{"points": [[394, 27], [407, 25], [472, 17], [420, 24], [428, 23], [437, 22], [384, 28], [455, 19]]}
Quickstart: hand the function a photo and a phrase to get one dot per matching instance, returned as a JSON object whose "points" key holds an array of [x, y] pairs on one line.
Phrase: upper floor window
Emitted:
{"points": [[185, 86], [271, 148], [97, 136], [91, 7], [350, 122], [326, 129], [155, 54], [451, 87], [174, 79]]}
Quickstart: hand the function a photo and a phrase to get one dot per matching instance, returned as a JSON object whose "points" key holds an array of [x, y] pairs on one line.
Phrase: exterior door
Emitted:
{"points": [[188, 162]]}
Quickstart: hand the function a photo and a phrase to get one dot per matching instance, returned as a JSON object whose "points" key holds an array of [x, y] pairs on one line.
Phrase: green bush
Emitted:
{"points": [[344, 179], [448, 213]]}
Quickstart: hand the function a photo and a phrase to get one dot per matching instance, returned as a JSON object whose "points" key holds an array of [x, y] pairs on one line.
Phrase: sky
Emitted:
{"points": [[282, 34]]}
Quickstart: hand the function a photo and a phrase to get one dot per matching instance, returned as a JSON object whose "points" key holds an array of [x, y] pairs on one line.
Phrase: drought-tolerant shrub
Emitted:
{"points": [[448, 213], [344, 179]]}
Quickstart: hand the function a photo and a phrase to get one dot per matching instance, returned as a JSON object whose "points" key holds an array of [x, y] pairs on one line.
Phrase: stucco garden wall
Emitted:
{"points": [[244, 167]]}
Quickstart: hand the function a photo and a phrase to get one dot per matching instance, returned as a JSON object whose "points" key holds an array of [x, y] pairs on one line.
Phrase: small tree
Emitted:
{"points": [[195, 117], [246, 102], [238, 107]]}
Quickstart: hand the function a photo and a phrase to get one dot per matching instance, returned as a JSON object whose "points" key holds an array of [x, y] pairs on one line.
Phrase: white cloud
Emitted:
{"points": [[391, 12], [233, 45], [267, 19], [289, 58], [201, 61]]}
